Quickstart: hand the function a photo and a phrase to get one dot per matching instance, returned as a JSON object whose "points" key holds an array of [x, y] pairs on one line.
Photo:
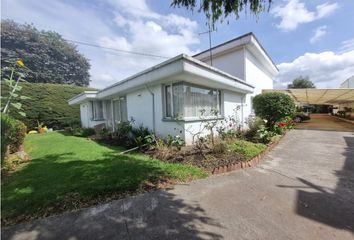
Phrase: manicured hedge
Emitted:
{"points": [[13, 133], [48, 104]]}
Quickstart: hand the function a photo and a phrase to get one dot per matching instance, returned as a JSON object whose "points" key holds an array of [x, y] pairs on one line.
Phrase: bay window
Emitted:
{"points": [[190, 102]]}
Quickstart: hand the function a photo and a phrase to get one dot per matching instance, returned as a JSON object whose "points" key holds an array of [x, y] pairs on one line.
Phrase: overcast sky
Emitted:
{"points": [[310, 38]]}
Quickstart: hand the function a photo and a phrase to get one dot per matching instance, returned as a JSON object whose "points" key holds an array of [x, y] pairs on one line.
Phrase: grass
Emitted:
{"points": [[246, 148], [67, 172]]}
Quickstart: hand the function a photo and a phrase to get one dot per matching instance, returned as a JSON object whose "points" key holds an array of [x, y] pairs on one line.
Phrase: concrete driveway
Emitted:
{"points": [[303, 190], [326, 122]]}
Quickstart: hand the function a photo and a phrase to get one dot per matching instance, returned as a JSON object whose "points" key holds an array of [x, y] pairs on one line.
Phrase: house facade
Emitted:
{"points": [[179, 95]]}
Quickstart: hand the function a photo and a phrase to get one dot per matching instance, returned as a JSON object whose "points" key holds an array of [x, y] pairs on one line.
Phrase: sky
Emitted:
{"points": [[309, 38]]}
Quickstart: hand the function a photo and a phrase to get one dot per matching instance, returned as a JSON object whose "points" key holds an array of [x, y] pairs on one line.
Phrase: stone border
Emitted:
{"points": [[246, 164]]}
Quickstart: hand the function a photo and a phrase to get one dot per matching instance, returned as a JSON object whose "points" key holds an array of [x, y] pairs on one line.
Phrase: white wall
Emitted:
{"points": [[139, 105], [231, 62], [257, 75], [86, 116]]}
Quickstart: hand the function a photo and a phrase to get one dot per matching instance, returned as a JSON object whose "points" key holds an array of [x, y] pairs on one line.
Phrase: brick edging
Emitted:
{"points": [[246, 164]]}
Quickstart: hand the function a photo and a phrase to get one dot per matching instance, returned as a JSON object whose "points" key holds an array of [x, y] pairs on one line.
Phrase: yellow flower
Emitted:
{"points": [[20, 63]]}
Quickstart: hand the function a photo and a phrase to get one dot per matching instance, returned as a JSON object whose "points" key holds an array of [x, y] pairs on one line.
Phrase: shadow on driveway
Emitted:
{"points": [[334, 208]]}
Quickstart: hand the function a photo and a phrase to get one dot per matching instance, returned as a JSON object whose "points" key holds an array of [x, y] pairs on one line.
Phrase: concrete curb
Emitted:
{"points": [[343, 119]]}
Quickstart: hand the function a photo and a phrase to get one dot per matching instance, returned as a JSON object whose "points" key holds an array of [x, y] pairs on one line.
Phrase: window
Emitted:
{"points": [[120, 110], [97, 110], [188, 101]]}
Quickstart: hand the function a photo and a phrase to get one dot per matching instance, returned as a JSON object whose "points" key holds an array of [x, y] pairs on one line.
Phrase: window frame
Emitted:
{"points": [[93, 114], [193, 118]]}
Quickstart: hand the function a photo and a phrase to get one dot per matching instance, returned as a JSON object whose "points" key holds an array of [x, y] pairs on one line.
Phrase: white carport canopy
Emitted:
{"points": [[319, 96]]}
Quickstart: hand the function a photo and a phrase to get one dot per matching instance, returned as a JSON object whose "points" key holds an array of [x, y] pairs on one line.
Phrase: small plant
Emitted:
{"points": [[178, 142], [248, 149], [14, 89], [104, 133], [87, 132], [263, 135]]}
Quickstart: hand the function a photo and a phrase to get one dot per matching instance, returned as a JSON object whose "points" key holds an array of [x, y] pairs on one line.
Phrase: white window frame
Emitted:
{"points": [[194, 118], [93, 112]]}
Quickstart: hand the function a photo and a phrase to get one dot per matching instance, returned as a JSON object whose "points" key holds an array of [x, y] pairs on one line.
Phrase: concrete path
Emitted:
{"points": [[303, 190], [326, 122]]}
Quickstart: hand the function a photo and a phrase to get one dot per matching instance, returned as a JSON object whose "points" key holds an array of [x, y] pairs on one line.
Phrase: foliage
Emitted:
{"points": [[11, 99], [254, 124], [175, 141], [263, 135], [273, 106], [13, 133], [126, 135], [83, 132], [301, 82], [218, 10], [248, 149], [67, 172], [49, 57], [47, 103]]}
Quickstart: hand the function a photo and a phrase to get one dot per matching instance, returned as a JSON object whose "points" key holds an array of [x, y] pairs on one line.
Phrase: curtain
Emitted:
{"points": [[97, 110]]}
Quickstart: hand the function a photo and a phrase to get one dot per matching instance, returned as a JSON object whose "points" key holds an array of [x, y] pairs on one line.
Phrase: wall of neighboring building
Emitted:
{"points": [[257, 75]]}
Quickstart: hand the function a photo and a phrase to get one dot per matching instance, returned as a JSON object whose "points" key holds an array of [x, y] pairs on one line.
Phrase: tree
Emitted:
{"points": [[273, 106], [217, 9], [49, 58], [302, 82]]}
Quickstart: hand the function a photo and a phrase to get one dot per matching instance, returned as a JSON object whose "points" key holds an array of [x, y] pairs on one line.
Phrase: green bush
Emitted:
{"points": [[273, 106], [83, 132], [13, 133], [248, 149], [48, 104], [126, 135]]}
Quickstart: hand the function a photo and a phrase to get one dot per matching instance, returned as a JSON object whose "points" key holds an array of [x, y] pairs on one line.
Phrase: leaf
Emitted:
{"points": [[24, 97], [22, 114], [15, 95], [16, 105]]}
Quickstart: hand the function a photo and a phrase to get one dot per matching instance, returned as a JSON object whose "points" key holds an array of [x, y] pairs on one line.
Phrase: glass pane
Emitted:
{"points": [[123, 109], [116, 111], [108, 113], [178, 102], [200, 101], [168, 96]]}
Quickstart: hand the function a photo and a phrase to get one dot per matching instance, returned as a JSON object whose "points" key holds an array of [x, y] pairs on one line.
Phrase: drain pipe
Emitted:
{"points": [[242, 121], [153, 107]]}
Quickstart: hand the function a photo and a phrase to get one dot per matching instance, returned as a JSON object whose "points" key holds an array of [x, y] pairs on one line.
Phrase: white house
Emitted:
{"points": [[182, 86]]}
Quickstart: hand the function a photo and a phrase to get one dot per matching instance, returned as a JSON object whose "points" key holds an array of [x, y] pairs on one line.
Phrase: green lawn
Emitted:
{"points": [[65, 172]]}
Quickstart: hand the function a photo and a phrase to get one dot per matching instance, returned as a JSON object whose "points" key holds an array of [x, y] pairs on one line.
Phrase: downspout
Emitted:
{"points": [[153, 108], [242, 120]]}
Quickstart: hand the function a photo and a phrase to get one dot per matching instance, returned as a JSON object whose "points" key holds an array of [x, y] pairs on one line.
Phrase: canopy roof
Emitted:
{"points": [[319, 96]]}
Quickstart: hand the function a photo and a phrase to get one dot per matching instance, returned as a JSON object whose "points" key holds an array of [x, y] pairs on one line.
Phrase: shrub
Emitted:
{"points": [[127, 135], [83, 132], [48, 104], [248, 149], [254, 124], [273, 106], [13, 133]]}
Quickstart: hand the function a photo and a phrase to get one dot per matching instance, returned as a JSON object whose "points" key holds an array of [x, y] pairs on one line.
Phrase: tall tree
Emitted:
{"points": [[49, 58], [301, 82], [220, 9]]}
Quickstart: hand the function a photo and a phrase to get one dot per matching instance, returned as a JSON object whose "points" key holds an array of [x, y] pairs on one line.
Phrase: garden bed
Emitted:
{"points": [[235, 155]]}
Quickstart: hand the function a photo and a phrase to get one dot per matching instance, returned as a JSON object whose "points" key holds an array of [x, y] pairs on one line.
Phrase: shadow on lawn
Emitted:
{"points": [[60, 184], [157, 215]]}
